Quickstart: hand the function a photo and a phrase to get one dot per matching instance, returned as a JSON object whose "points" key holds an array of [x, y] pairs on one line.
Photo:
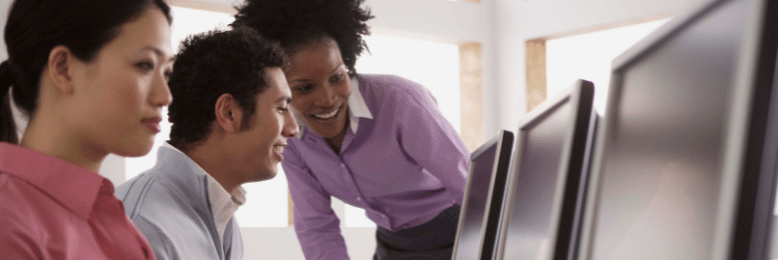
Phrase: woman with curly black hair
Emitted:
{"points": [[377, 142]]}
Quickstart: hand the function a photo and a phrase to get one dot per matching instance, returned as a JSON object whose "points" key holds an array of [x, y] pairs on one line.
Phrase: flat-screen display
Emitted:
{"points": [[482, 203], [681, 147], [552, 151]]}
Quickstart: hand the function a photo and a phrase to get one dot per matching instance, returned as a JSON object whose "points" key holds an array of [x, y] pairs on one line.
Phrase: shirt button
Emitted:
{"points": [[383, 215], [342, 165], [359, 199]]}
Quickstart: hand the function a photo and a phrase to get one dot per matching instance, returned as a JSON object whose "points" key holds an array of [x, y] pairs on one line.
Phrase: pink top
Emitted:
{"points": [[53, 209]]}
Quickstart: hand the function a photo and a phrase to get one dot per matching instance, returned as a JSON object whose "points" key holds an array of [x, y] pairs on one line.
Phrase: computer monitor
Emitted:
{"points": [[685, 158], [482, 201], [542, 212]]}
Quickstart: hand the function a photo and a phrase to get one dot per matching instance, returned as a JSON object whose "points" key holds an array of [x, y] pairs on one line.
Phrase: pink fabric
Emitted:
{"points": [[53, 209]]}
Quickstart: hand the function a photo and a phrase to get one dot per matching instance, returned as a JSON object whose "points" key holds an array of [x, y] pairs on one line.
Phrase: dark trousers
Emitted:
{"points": [[430, 241]]}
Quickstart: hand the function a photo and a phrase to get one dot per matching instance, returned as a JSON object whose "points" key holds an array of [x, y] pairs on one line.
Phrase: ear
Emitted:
{"points": [[228, 113], [61, 68]]}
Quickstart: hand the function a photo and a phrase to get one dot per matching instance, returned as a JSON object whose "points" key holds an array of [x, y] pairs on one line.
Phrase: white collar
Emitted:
{"points": [[223, 204], [357, 108]]}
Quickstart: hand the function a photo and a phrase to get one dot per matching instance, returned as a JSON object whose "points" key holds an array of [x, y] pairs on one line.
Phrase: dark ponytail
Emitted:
{"points": [[35, 27], [7, 125]]}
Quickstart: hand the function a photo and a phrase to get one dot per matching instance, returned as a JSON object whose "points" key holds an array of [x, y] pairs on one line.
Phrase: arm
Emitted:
{"points": [[317, 227], [430, 140], [19, 245], [19, 236], [157, 240]]}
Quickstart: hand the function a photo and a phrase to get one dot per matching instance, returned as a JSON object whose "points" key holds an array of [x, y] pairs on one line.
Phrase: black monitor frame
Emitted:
{"points": [[747, 192], [504, 146], [567, 205]]}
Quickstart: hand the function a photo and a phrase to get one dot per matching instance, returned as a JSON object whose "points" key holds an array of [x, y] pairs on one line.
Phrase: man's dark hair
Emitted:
{"points": [[295, 23], [209, 65]]}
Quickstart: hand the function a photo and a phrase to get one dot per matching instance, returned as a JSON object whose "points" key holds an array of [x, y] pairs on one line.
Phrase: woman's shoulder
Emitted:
{"points": [[387, 85]]}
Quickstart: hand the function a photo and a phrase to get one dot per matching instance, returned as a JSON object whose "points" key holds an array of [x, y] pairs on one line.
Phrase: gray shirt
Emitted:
{"points": [[169, 204]]}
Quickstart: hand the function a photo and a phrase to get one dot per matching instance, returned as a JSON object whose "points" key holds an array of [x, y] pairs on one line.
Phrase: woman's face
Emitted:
{"points": [[320, 87], [119, 96]]}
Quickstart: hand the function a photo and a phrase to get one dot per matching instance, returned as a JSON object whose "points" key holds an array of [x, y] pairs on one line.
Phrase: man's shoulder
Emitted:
{"points": [[155, 194], [177, 235]]}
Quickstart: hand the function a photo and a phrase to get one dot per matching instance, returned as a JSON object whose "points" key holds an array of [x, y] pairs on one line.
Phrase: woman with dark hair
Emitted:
{"points": [[91, 76], [376, 142]]}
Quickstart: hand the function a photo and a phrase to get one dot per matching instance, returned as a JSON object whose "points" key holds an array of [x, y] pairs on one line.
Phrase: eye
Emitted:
{"points": [[167, 74], [337, 77], [145, 66], [282, 110], [303, 88]]}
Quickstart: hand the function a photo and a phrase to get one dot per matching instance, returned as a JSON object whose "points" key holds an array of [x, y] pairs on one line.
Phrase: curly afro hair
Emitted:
{"points": [[209, 65], [295, 23]]}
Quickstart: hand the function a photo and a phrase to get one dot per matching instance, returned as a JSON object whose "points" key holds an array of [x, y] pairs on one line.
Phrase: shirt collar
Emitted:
{"points": [[223, 204], [73, 186], [357, 108]]}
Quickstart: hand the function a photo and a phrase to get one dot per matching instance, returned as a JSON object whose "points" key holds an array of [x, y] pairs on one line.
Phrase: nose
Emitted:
{"points": [[290, 127], [160, 92], [325, 97]]}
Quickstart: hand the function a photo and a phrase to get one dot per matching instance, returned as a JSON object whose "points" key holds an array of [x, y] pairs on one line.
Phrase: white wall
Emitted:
{"points": [[521, 20], [5, 6]]}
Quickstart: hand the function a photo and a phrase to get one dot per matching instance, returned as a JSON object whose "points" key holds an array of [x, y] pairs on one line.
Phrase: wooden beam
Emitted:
{"points": [[471, 97], [536, 72], [290, 217]]}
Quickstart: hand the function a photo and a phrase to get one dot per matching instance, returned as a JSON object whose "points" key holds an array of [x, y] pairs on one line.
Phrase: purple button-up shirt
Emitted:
{"points": [[400, 160]]}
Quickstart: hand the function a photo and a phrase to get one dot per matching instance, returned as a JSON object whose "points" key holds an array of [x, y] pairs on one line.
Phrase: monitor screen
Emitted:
{"points": [[661, 168], [551, 149], [479, 217], [537, 181]]}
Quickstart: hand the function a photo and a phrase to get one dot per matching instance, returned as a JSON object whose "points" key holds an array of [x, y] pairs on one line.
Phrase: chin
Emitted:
{"points": [[329, 132], [134, 152], [265, 175], [134, 149]]}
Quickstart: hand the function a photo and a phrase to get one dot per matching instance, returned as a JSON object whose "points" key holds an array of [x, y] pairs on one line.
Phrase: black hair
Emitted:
{"points": [[35, 27], [209, 65], [296, 23]]}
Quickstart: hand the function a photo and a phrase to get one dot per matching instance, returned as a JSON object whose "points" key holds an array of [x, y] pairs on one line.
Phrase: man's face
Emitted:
{"points": [[271, 124]]}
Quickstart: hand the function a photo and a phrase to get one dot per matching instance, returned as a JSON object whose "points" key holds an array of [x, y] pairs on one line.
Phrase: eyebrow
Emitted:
{"points": [[336, 68], [159, 52]]}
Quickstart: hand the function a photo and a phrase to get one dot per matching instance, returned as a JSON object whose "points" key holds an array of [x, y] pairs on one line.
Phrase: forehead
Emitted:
{"points": [[149, 29], [318, 56], [278, 89]]}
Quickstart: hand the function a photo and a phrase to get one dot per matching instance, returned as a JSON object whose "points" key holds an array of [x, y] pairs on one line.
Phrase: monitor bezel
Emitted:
{"points": [[502, 160], [578, 140], [738, 235]]}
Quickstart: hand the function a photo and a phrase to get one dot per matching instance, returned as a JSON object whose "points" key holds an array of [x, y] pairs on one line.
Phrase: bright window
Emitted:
{"points": [[588, 56]]}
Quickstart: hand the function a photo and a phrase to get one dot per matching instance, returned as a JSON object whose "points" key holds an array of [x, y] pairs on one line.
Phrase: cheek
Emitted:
{"points": [[121, 97], [300, 105], [129, 91], [345, 91]]}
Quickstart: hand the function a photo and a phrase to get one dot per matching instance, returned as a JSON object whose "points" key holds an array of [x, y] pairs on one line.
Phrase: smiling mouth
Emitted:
{"points": [[327, 116]]}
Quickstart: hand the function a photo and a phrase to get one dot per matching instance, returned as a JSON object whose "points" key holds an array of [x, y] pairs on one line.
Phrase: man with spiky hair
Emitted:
{"points": [[230, 125], [377, 142]]}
